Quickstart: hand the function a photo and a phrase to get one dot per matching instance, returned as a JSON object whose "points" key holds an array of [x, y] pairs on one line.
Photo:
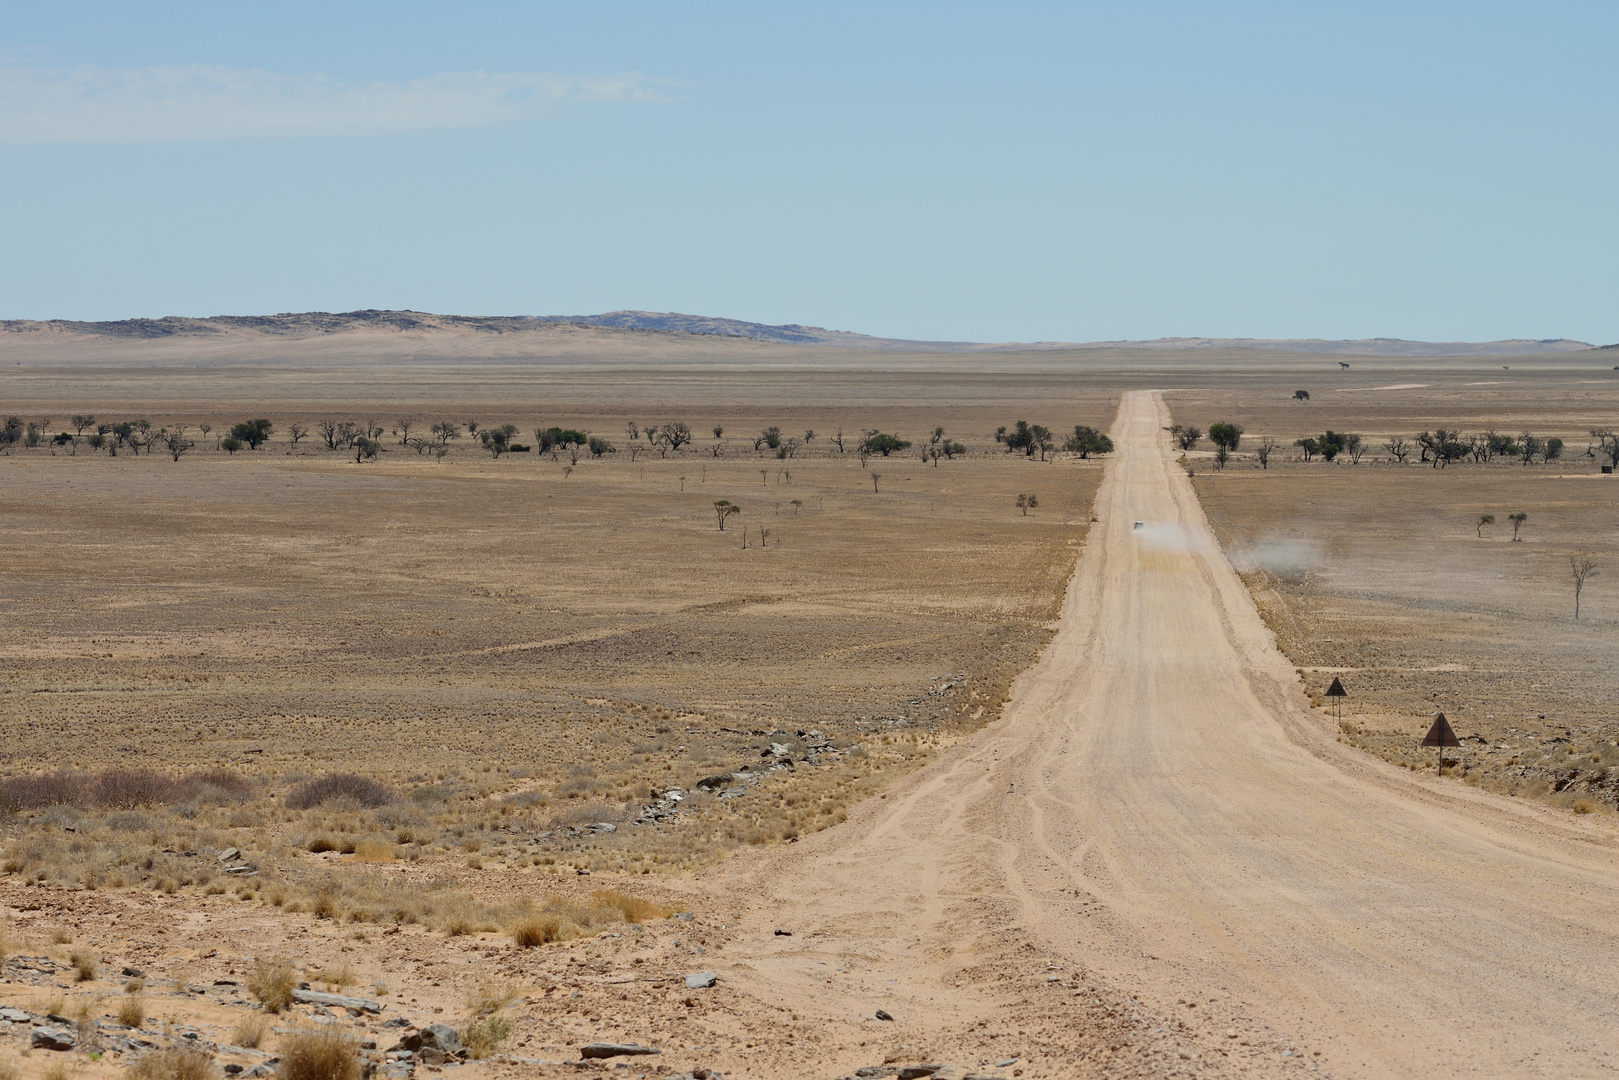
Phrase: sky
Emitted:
{"points": [[942, 171]]}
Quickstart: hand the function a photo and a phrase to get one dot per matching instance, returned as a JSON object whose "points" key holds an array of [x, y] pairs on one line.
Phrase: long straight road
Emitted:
{"points": [[1160, 861]]}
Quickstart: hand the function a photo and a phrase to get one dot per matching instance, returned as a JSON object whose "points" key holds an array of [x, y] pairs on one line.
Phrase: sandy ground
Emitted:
{"points": [[1160, 812], [1160, 862]]}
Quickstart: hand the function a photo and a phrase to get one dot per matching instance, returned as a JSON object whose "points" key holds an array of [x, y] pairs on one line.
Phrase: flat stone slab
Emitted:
{"points": [[607, 1050], [341, 1001]]}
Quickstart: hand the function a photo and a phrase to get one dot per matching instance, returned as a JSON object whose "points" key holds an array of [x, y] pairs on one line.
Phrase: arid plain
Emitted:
{"points": [[522, 650]]}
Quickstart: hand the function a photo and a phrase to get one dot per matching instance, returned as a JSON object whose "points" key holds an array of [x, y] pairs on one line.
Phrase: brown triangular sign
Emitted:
{"points": [[1337, 689], [1440, 734]]}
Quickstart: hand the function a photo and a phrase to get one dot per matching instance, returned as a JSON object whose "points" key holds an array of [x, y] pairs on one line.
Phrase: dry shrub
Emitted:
{"points": [[84, 965], [176, 1062], [272, 982], [532, 930], [62, 936], [634, 909], [333, 786], [57, 1070], [373, 851], [323, 1053], [9, 1070], [132, 1010], [250, 1031], [483, 1037], [334, 978], [491, 996], [319, 843], [119, 789], [1584, 806]]}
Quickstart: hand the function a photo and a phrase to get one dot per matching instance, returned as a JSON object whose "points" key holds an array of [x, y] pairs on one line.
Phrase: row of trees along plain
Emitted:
{"points": [[366, 439], [1438, 448]]}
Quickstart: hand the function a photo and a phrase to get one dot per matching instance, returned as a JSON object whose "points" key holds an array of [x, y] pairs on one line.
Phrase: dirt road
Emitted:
{"points": [[1160, 863]]}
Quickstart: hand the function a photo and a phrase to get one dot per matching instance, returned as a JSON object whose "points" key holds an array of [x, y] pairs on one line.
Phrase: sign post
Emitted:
{"points": [[1337, 693], [1442, 736]]}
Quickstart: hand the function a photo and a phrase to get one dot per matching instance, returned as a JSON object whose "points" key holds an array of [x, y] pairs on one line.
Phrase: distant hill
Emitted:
{"points": [[311, 323]]}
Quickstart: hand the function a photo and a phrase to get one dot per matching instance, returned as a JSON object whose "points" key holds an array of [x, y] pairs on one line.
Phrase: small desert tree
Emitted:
{"points": [[1517, 523], [366, 448], [874, 478], [675, 434], [176, 442], [1397, 447], [1026, 503], [230, 444], [445, 430], [1226, 436], [725, 509], [1188, 436], [1582, 568], [328, 432], [1607, 444], [296, 431], [253, 432], [497, 440], [1263, 451], [83, 421], [599, 446], [876, 442], [1483, 520], [1355, 447], [1528, 446], [1311, 447], [1301, 395]]}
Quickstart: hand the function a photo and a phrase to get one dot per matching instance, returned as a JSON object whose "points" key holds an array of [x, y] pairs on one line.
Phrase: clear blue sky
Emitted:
{"points": [[960, 171]]}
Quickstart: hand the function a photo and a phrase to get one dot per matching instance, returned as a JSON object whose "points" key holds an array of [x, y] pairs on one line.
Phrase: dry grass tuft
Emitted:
{"points": [[84, 965], [9, 1069], [334, 979], [250, 1032], [272, 982], [132, 1010], [491, 996], [57, 1070], [1584, 806], [483, 1037], [323, 1053], [62, 936], [172, 1063], [374, 851], [532, 930], [634, 908]]}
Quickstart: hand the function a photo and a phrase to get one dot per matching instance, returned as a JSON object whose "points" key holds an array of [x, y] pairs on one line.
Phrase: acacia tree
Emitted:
{"points": [[1301, 395], [1608, 444], [1354, 446], [1187, 437], [1224, 435], [365, 448], [296, 431], [1397, 447], [176, 442], [1263, 451], [444, 431], [1528, 446], [1311, 447], [599, 446], [675, 434], [1583, 568], [83, 421], [498, 440], [1483, 520], [402, 428], [328, 432], [253, 432], [1517, 523], [1026, 503], [723, 509]]}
